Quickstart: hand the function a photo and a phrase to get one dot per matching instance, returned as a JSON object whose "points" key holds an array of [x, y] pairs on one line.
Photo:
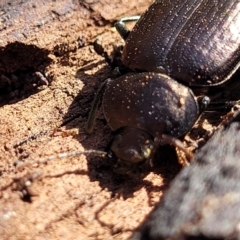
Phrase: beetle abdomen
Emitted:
{"points": [[152, 102], [197, 42]]}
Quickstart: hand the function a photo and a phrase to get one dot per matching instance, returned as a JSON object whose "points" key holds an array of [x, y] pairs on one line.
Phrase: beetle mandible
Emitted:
{"points": [[193, 42]]}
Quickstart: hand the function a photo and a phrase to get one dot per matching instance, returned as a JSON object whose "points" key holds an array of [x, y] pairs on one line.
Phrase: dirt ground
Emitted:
{"points": [[44, 114]]}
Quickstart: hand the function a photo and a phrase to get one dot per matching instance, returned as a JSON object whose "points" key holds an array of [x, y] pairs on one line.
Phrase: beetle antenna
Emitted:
{"points": [[20, 165]]}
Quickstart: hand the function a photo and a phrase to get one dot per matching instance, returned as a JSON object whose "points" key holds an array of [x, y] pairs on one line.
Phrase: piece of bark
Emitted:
{"points": [[76, 198], [45, 22], [40, 22], [203, 201]]}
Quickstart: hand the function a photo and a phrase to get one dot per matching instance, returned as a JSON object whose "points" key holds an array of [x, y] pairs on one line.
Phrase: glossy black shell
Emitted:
{"points": [[150, 101], [193, 41]]}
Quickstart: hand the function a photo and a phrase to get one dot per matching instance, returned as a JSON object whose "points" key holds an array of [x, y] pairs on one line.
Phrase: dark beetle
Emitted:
{"points": [[147, 105], [194, 42]]}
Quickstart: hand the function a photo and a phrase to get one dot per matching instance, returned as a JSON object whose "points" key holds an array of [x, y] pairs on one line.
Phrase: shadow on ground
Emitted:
{"points": [[22, 69]]}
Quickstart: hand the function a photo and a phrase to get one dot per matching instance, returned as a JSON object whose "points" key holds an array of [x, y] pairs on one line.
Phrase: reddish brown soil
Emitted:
{"points": [[72, 198]]}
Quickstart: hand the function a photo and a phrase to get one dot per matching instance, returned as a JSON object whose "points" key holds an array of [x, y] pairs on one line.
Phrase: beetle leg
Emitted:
{"points": [[98, 48], [92, 114], [20, 165], [225, 106], [185, 156], [182, 158], [122, 28]]}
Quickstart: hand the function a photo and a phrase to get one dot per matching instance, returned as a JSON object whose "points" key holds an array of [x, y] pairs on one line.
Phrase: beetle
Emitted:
{"points": [[196, 43]]}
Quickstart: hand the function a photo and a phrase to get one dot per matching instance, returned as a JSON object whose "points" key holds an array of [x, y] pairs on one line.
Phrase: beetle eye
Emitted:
{"points": [[147, 149]]}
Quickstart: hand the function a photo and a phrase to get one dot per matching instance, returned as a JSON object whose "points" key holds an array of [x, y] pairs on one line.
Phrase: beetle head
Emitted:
{"points": [[133, 145]]}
